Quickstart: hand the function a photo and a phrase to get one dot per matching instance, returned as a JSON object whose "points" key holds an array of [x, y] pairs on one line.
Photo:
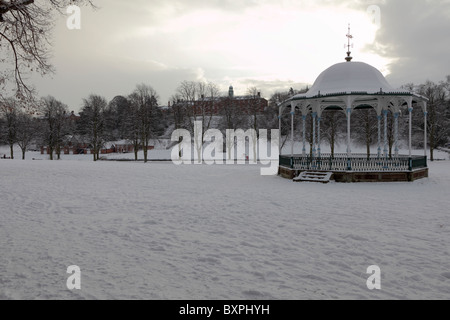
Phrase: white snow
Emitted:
{"points": [[349, 77], [160, 231]]}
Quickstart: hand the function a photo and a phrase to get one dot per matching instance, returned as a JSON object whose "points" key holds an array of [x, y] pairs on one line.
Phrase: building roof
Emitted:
{"points": [[362, 84], [352, 78], [348, 77]]}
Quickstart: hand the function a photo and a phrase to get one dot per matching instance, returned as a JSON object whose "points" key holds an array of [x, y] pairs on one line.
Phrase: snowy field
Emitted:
{"points": [[160, 231]]}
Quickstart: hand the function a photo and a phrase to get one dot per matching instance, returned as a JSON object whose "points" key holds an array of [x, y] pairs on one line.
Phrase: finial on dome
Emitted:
{"points": [[349, 36]]}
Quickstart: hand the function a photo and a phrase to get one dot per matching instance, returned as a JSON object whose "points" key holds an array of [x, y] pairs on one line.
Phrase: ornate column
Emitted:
{"points": [[379, 117], [318, 135], [410, 110], [385, 113], [314, 115], [425, 138], [349, 113], [304, 135], [349, 103], [292, 130], [396, 116], [279, 136]]}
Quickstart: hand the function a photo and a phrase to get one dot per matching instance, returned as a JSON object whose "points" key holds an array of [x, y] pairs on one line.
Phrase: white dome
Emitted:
{"points": [[347, 77]]}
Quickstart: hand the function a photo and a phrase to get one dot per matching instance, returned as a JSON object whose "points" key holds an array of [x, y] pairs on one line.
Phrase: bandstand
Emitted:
{"points": [[348, 87]]}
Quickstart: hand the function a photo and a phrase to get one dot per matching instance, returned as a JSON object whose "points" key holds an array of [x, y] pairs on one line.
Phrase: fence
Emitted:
{"points": [[356, 163]]}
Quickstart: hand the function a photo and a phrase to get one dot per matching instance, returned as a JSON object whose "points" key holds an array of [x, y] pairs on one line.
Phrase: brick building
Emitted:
{"points": [[249, 104]]}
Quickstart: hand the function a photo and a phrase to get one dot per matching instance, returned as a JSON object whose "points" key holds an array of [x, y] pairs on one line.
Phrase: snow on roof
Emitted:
{"points": [[121, 142], [348, 77]]}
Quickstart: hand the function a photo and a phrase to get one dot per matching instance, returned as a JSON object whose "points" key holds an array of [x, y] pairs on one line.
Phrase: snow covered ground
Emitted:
{"points": [[160, 231]]}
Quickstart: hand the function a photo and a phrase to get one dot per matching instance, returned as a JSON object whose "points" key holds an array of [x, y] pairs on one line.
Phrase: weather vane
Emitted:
{"points": [[349, 36]]}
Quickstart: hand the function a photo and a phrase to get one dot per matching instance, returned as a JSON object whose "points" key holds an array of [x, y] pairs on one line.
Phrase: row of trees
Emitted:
{"points": [[49, 123], [138, 118], [438, 119]]}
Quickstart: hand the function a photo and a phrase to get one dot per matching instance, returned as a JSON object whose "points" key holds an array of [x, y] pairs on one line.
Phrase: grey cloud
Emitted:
{"points": [[415, 33]]}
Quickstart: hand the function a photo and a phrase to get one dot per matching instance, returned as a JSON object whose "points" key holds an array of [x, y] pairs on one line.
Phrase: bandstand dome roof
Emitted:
{"points": [[349, 77]]}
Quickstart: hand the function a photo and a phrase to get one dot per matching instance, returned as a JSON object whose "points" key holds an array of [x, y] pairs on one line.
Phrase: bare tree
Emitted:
{"points": [[25, 30], [144, 101], [254, 110], [254, 107], [26, 131], [200, 101], [390, 133], [55, 115], [116, 115], [179, 112], [125, 123], [133, 128], [332, 120], [178, 109], [232, 119], [437, 121], [10, 113], [92, 117], [364, 124], [275, 100]]}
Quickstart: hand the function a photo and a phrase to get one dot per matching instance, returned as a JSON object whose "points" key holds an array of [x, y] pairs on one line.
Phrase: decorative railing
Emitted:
{"points": [[356, 163]]}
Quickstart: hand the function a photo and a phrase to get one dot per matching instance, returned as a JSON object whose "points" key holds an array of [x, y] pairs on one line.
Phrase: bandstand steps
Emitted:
{"points": [[314, 176]]}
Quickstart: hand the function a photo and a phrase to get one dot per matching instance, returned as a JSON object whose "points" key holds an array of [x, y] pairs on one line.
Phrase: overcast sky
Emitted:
{"points": [[270, 44]]}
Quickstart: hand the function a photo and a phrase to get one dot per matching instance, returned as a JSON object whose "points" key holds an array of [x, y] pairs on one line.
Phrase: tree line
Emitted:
{"points": [[139, 117]]}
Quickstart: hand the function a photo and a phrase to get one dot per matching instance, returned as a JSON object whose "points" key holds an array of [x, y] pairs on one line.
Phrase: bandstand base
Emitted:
{"points": [[351, 176]]}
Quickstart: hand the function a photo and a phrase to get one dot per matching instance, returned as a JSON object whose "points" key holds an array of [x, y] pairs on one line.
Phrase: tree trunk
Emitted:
{"points": [[311, 135], [333, 134], [145, 150], [368, 137], [368, 141], [431, 144], [390, 149], [332, 144], [255, 145], [11, 148], [136, 150]]}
